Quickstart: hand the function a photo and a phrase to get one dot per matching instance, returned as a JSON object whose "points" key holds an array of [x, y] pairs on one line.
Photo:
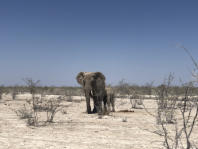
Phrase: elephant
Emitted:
{"points": [[93, 84], [110, 94]]}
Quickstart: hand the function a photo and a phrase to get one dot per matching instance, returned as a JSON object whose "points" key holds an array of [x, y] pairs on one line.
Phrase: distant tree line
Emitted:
{"points": [[122, 88]]}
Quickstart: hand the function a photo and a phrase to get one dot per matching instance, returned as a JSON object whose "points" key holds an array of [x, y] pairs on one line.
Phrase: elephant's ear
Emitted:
{"points": [[80, 78], [99, 75]]}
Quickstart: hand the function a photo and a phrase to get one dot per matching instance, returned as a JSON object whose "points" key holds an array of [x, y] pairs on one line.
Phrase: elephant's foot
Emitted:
{"points": [[94, 110], [89, 110], [106, 113]]}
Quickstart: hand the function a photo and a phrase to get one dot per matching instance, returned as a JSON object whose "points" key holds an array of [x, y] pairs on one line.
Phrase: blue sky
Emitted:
{"points": [[135, 40]]}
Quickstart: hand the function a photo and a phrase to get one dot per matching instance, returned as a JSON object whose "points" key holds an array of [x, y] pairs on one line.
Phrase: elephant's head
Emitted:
{"points": [[90, 80]]}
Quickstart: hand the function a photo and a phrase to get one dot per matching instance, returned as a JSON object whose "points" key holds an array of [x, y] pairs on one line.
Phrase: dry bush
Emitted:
{"points": [[123, 88], [149, 88], [52, 106], [38, 104], [1, 93], [30, 110], [126, 91], [176, 116], [166, 102], [183, 125], [2, 90], [136, 100], [24, 112], [14, 92], [68, 95], [186, 108], [31, 84]]}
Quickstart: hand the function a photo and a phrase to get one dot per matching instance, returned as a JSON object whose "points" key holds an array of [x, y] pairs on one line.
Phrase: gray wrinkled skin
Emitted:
{"points": [[93, 84], [110, 99]]}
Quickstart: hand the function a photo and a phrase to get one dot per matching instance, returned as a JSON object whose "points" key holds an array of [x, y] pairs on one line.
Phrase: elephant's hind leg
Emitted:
{"points": [[105, 101], [113, 103]]}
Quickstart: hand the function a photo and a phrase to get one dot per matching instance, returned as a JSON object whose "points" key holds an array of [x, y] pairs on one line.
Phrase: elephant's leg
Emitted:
{"points": [[109, 103], [88, 103], [113, 103], [95, 104], [100, 99], [105, 99]]}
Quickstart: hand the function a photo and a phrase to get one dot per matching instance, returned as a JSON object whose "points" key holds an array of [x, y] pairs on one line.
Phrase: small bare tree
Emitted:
{"points": [[14, 92], [136, 100], [68, 95], [31, 84], [39, 104], [24, 112], [187, 114], [188, 109], [127, 91], [189, 118], [53, 106], [1, 92], [149, 88], [166, 102], [176, 116]]}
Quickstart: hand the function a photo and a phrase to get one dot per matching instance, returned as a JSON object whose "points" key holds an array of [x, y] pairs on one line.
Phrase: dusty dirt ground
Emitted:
{"points": [[78, 130]]}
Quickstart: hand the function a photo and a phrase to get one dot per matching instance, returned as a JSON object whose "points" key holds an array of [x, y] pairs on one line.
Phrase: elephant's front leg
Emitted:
{"points": [[88, 103], [95, 102], [100, 99]]}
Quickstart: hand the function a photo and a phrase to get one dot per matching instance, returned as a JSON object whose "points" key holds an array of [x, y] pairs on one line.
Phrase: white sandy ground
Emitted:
{"points": [[79, 130]]}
